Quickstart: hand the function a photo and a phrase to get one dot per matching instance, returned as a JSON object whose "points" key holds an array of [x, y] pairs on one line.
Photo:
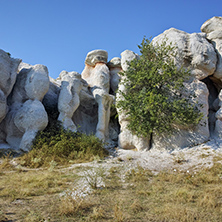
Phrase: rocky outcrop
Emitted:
{"points": [[68, 101], [8, 71], [193, 51], [115, 68], [97, 75], [29, 98], [213, 29], [26, 114]]}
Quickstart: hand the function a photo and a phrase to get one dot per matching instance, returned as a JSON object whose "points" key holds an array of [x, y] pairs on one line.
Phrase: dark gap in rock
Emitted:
{"points": [[214, 88]]}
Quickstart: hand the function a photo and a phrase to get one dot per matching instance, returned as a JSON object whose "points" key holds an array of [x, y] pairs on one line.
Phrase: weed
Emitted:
{"points": [[138, 174], [118, 213], [72, 204], [98, 213], [95, 177], [3, 216], [6, 162], [136, 206]]}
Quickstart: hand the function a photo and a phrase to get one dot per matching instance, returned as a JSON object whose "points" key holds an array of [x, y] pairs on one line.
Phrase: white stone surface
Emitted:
{"points": [[8, 72], [193, 51], [68, 100], [30, 119], [96, 73], [96, 56], [115, 67], [213, 28], [190, 136], [26, 114]]}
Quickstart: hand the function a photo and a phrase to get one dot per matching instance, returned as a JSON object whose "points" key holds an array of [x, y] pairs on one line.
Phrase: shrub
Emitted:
{"points": [[62, 147], [152, 98]]}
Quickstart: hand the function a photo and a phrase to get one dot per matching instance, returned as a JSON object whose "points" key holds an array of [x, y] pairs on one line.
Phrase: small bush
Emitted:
{"points": [[62, 147]]}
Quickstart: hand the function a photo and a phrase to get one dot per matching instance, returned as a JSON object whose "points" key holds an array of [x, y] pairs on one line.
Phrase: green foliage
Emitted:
{"points": [[56, 145], [152, 98]]}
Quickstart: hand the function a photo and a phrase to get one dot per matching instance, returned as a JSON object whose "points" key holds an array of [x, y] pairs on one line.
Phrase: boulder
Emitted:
{"points": [[30, 119], [31, 83], [213, 29], [96, 56], [193, 51]]}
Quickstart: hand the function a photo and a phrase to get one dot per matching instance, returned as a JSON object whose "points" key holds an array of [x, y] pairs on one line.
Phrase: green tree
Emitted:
{"points": [[153, 100]]}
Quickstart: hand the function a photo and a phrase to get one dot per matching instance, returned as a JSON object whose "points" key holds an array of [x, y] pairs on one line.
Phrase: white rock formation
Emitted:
{"points": [[27, 115], [127, 140], [193, 51], [115, 67], [8, 74], [83, 101], [189, 136], [213, 29], [68, 101], [97, 75]]}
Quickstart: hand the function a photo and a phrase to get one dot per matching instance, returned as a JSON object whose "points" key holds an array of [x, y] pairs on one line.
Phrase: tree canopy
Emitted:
{"points": [[153, 98]]}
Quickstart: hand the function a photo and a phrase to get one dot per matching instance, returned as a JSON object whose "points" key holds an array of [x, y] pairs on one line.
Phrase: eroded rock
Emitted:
{"points": [[213, 29], [193, 51]]}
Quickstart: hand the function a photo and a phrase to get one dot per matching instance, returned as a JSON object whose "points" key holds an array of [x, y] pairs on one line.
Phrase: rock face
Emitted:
{"points": [[193, 51], [97, 75], [29, 98], [114, 67], [213, 29], [68, 100], [189, 136], [26, 114], [8, 73]]}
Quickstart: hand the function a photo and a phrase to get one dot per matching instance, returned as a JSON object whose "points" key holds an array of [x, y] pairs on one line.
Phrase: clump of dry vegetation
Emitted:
{"points": [[55, 145]]}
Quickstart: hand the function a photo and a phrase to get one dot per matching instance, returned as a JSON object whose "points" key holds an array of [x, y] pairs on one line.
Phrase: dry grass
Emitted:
{"points": [[133, 195]]}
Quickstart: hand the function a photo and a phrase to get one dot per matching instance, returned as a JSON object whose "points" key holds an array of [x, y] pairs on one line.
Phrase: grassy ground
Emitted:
{"points": [[114, 193]]}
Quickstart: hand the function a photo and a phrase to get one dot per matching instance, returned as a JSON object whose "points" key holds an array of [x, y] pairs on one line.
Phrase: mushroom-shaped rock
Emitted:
{"points": [[115, 67], [68, 100], [96, 73], [96, 56], [127, 140], [212, 24], [193, 51], [213, 29]]}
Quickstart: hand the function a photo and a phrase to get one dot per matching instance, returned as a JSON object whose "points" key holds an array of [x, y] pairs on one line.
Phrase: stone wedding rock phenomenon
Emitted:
{"points": [[29, 98]]}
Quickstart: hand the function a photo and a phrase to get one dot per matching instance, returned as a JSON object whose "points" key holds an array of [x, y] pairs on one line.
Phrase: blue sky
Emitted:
{"points": [[59, 33]]}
